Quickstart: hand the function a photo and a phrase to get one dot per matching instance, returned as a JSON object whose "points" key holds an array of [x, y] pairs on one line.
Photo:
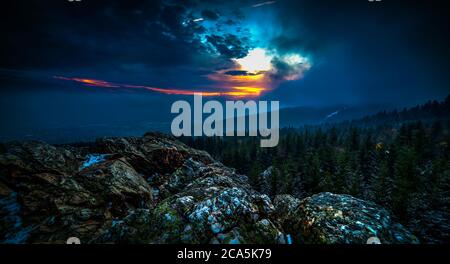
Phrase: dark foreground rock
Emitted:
{"points": [[154, 189], [328, 218]]}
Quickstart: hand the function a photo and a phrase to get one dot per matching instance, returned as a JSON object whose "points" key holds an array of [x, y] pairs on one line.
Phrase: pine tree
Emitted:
{"points": [[405, 174], [343, 173], [255, 175], [382, 189]]}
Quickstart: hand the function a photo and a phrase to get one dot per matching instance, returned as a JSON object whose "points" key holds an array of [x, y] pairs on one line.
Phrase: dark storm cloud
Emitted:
{"points": [[316, 27], [240, 73], [230, 46], [156, 42], [60, 34], [388, 52], [283, 70], [211, 15]]}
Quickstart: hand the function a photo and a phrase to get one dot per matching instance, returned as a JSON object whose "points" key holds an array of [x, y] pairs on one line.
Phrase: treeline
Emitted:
{"points": [[403, 167], [430, 111]]}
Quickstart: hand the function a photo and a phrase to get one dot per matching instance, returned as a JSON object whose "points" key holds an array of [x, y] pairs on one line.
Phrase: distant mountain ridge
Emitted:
{"points": [[430, 111], [364, 115], [289, 117], [299, 116]]}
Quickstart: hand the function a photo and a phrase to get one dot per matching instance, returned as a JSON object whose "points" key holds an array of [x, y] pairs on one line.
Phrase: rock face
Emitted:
{"points": [[327, 218], [154, 189]]}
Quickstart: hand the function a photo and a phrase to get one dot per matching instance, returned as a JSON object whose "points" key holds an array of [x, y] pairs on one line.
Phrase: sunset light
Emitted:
{"points": [[256, 61]]}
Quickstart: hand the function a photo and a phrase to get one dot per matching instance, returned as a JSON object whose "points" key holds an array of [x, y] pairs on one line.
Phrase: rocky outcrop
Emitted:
{"points": [[218, 206], [327, 218], [154, 189]]}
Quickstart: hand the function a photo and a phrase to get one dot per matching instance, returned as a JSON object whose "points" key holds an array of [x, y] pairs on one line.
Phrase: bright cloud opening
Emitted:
{"points": [[256, 61]]}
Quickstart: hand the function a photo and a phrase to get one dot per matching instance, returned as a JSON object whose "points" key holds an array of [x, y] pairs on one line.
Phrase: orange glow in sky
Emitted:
{"points": [[240, 91], [249, 77]]}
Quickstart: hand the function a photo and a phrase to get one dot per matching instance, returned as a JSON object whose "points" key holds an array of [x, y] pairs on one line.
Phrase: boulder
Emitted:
{"points": [[217, 206], [152, 153], [327, 218], [48, 194]]}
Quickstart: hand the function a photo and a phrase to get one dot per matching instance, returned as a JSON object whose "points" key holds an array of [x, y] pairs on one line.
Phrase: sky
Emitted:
{"points": [[73, 64]]}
